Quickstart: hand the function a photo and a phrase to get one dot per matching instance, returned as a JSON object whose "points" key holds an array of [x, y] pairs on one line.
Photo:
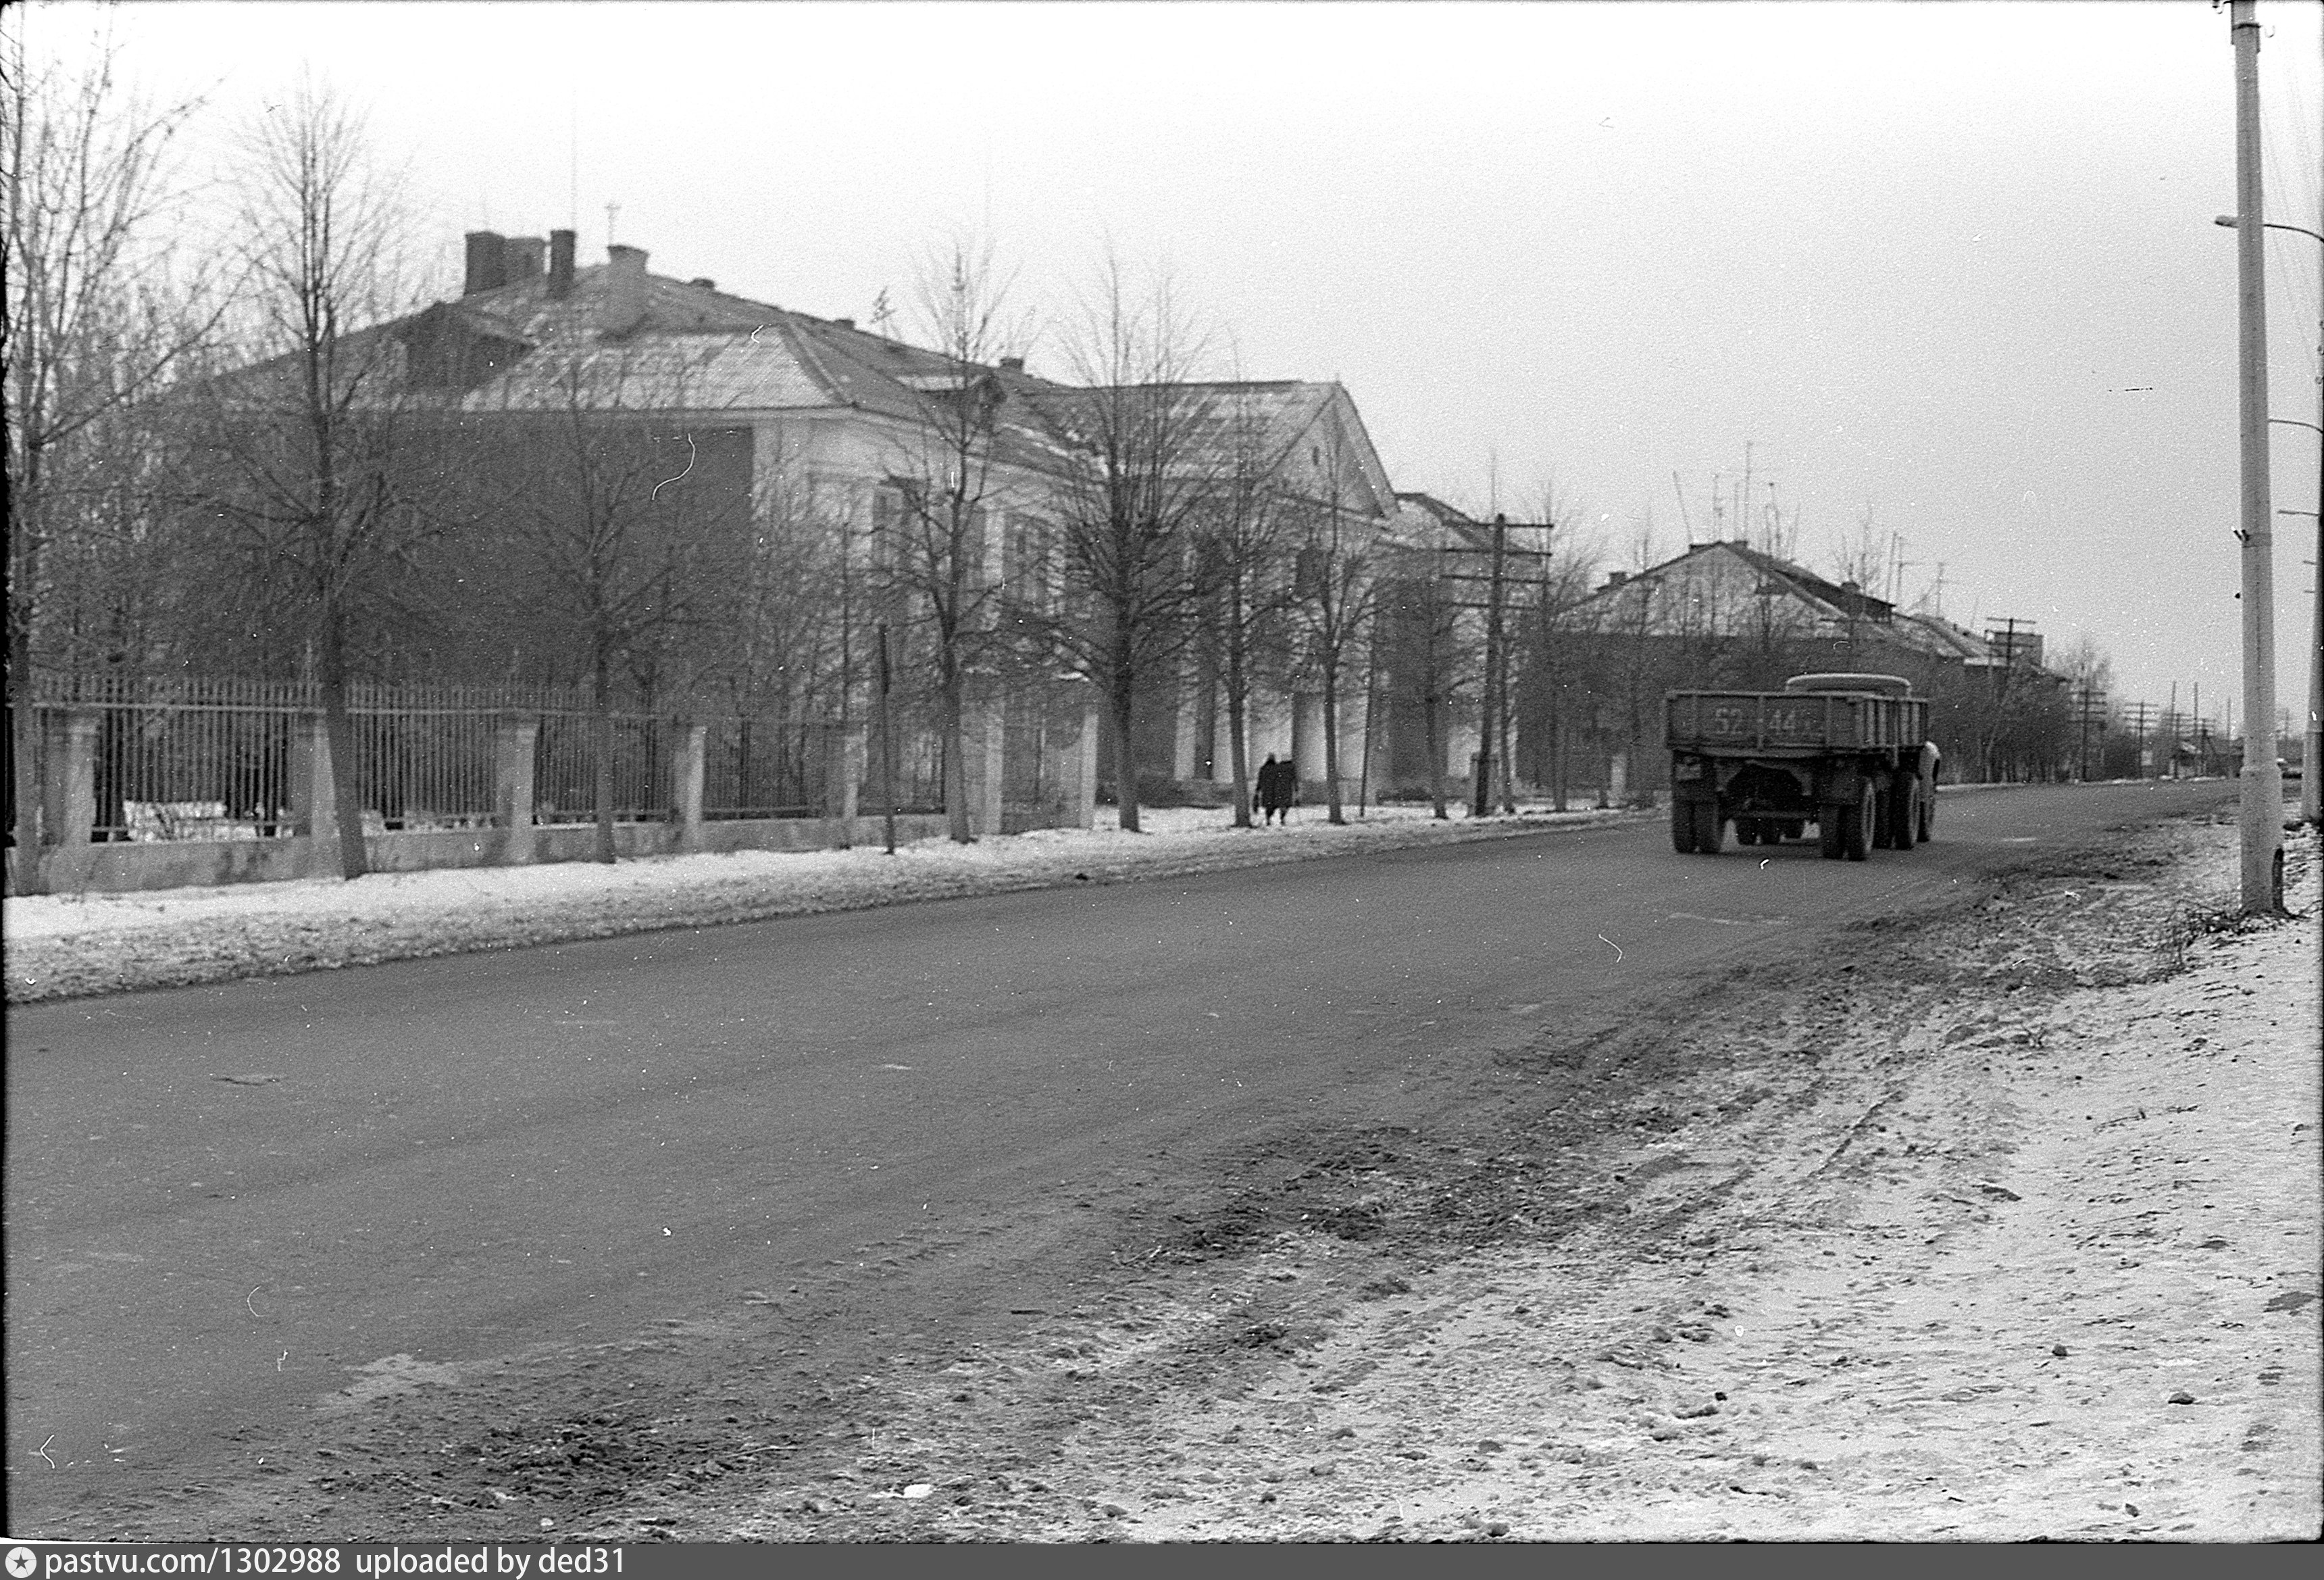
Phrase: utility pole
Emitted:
{"points": [[2139, 710], [2311, 799], [2092, 701], [1482, 798], [2262, 780]]}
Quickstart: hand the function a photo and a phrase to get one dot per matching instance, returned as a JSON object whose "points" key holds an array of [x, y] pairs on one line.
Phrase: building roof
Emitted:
{"points": [[621, 338]]}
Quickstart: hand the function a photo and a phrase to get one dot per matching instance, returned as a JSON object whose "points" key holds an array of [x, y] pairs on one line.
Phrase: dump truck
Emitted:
{"points": [[1850, 754]]}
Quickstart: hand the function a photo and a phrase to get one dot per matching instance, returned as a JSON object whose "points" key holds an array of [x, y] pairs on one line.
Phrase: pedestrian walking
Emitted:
{"points": [[1278, 786]]}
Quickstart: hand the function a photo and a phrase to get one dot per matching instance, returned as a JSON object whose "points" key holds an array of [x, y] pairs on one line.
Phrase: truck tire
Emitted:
{"points": [[1884, 817], [1682, 826], [1746, 832], [1856, 824], [1928, 798], [1830, 835], [1794, 827], [1903, 813], [1710, 828]]}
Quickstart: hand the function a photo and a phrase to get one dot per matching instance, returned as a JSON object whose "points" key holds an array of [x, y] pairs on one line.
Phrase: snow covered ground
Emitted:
{"points": [[72, 944]]}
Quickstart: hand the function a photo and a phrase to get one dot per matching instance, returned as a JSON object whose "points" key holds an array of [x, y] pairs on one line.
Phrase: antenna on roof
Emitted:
{"points": [[1680, 489]]}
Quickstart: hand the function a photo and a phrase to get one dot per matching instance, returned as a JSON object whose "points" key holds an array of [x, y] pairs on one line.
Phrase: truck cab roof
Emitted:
{"points": [[1878, 685]]}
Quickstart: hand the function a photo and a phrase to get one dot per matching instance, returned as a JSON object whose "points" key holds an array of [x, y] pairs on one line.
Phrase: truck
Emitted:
{"points": [[1850, 754]]}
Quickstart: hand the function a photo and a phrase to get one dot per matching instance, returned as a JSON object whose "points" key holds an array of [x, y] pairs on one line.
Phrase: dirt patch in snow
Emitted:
{"points": [[1999, 1221]]}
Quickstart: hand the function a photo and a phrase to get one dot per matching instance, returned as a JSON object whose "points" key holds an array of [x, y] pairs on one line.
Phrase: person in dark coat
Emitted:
{"points": [[1277, 782]]}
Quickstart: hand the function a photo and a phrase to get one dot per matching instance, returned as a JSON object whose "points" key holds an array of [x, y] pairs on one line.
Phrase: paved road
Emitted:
{"points": [[222, 1203]]}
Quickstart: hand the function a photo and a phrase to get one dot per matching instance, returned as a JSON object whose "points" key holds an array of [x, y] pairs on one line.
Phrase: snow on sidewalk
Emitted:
{"points": [[71, 945]]}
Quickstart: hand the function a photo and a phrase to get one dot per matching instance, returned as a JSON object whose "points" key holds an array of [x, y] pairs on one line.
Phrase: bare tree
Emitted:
{"points": [[631, 534], [941, 562], [1562, 619], [1429, 615], [310, 463], [1140, 474], [1333, 589], [1243, 545], [1859, 563], [95, 324]]}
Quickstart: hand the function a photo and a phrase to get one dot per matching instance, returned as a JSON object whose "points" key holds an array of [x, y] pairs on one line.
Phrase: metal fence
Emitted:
{"points": [[565, 769], [766, 768], [193, 758]]}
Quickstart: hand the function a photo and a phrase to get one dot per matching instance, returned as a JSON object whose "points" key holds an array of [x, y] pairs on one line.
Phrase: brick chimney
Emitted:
{"points": [[521, 258], [486, 268], [560, 262], [625, 288]]}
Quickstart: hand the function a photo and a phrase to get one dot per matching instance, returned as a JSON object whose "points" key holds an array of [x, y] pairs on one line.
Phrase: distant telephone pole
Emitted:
{"points": [[2093, 704], [2139, 710]]}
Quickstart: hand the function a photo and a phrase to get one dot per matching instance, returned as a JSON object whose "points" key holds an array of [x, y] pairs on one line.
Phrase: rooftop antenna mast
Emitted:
{"points": [[1680, 489]]}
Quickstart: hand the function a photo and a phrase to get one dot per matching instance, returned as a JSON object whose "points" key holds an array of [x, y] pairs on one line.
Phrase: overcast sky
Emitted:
{"points": [[1951, 265]]}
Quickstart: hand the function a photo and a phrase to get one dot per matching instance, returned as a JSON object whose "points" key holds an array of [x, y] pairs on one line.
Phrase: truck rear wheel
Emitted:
{"points": [[1928, 799], [1830, 834], [1682, 826], [1903, 813], [1856, 824], [1710, 828]]}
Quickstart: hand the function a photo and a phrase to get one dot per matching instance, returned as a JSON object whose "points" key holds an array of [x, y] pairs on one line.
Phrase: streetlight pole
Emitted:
{"points": [[2262, 780]]}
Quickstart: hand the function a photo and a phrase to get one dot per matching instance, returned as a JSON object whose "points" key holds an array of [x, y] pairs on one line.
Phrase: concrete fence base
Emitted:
{"points": [[124, 868], [68, 861]]}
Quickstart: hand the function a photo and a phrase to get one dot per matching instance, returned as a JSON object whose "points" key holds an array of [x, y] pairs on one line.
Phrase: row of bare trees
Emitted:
{"points": [[239, 467]]}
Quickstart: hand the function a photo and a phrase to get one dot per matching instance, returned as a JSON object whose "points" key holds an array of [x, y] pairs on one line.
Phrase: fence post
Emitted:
{"points": [[514, 739], [71, 792], [314, 813], [842, 777], [983, 739], [686, 766], [1072, 746]]}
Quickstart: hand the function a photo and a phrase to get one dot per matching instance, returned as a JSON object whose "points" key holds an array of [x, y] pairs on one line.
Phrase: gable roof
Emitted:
{"points": [[1294, 429]]}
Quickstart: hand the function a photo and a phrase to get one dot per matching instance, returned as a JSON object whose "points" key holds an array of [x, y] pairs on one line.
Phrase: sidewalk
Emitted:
{"points": [[73, 945]]}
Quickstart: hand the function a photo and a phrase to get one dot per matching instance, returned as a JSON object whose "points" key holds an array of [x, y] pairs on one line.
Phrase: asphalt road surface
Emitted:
{"points": [[226, 1205]]}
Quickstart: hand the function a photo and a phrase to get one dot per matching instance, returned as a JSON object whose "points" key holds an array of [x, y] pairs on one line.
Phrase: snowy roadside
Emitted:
{"points": [[75, 946], [2038, 1259]]}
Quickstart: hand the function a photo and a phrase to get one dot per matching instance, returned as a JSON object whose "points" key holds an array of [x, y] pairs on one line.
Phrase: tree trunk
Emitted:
{"points": [[1331, 746], [1435, 744], [24, 726], [1238, 748], [602, 729], [1122, 694], [955, 757], [339, 735]]}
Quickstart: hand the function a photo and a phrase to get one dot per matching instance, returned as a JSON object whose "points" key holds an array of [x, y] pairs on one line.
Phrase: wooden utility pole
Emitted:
{"points": [[2139, 711], [1481, 797], [2262, 779]]}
